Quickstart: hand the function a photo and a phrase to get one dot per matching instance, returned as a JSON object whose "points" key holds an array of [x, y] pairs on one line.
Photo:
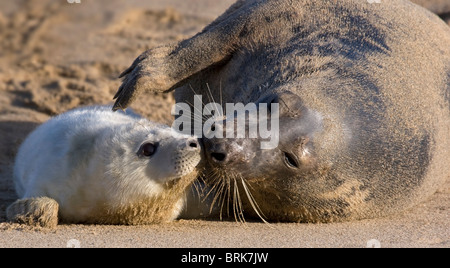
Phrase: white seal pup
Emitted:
{"points": [[91, 165]]}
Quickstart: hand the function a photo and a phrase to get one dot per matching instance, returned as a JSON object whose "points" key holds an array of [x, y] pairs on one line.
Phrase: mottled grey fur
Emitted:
{"points": [[378, 74]]}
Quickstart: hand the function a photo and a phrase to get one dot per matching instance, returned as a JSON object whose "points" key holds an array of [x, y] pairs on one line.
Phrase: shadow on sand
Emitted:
{"points": [[12, 134]]}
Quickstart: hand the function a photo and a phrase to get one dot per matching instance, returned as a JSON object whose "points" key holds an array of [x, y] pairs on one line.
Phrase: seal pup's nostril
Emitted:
{"points": [[193, 144]]}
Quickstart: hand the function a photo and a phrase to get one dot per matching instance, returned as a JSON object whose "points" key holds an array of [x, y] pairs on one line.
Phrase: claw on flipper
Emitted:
{"points": [[125, 94]]}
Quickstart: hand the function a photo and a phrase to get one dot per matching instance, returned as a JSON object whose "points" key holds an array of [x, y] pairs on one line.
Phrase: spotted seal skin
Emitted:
{"points": [[364, 103], [90, 165]]}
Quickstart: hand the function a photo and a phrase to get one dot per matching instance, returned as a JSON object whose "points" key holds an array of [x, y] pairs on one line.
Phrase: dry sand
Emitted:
{"points": [[55, 56]]}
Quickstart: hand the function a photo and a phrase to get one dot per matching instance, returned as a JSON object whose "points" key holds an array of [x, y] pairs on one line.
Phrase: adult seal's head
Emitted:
{"points": [[363, 90]]}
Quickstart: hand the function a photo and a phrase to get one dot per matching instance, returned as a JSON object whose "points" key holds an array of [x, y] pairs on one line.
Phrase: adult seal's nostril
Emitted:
{"points": [[219, 157], [216, 151]]}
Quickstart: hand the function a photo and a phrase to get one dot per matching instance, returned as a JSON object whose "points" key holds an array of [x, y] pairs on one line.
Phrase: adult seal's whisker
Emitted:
{"points": [[253, 202]]}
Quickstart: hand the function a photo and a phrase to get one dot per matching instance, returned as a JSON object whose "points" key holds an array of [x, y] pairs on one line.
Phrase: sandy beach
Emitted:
{"points": [[55, 56]]}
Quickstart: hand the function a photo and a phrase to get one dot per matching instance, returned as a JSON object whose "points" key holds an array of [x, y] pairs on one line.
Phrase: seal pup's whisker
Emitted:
{"points": [[197, 185]]}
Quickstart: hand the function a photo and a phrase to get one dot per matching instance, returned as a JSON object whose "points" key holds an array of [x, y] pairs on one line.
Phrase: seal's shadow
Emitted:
{"points": [[12, 134], [445, 16]]}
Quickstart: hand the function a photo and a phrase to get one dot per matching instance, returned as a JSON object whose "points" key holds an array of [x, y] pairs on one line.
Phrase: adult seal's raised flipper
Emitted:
{"points": [[167, 67], [364, 94]]}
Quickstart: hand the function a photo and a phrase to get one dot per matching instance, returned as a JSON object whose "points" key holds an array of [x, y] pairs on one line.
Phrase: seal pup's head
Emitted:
{"points": [[149, 167], [164, 154]]}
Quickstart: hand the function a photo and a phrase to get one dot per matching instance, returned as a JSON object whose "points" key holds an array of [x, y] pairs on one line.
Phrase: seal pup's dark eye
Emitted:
{"points": [[290, 160], [147, 150]]}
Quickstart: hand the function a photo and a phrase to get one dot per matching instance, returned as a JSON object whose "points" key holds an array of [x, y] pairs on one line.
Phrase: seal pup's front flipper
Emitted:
{"points": [[40, 211]]}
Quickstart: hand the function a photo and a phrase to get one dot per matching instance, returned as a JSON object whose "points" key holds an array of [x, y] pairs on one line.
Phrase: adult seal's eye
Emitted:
{"points": [[147, 150], [290, 160]]}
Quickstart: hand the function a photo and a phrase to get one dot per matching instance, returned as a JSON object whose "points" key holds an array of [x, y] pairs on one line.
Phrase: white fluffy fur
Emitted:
{"points": [[86, 160]]}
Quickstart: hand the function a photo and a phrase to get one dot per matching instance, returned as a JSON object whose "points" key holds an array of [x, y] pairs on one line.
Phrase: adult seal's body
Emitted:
{"points": [[91, 165], [364, 103]]}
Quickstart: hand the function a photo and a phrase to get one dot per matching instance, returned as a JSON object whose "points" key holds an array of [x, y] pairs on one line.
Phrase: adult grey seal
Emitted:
{"points": [[364, 95], [91, 165]]}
